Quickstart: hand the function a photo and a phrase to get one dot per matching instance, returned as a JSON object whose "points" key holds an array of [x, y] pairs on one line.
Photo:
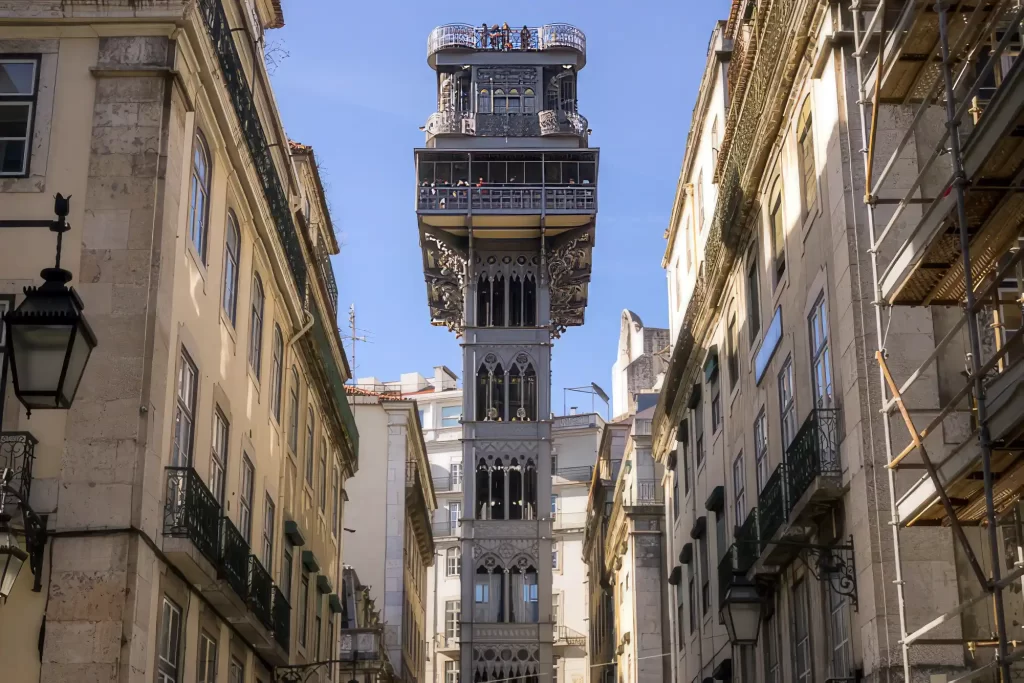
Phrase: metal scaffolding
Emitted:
{"points": [[958, 62]]}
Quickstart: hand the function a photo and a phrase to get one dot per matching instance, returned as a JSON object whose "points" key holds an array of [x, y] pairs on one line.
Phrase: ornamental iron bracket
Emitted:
{"points": [[303, 673], [34, 529], [833, 565]]}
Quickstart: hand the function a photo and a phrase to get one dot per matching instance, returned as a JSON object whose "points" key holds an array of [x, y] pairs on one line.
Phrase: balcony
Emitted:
{"points": [[557, 122], [446, 530], [327, 272], [446, 645], [191, 525], [450, 123], [508, 199], [772, 510], [569, 642], [282, 620], [570, 521], [234, 559], [813, 470], [447, 484], [360, 644], [537, 38], [581, 474], [643, 492], [261, 593]]}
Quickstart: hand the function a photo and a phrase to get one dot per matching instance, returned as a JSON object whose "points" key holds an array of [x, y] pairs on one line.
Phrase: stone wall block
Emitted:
{"points": [[113, 165], [140, 229], [106, 229], [133, 50], [117, 266], [108, 420], [99, 462], [79, 673], [85, 505], [124, 192], [129, 299], [116, 114], [90, 554], [87, 595], [82, 642]]}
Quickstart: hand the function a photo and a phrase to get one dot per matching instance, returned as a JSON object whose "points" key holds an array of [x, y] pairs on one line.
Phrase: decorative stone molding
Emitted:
{"points": [[505, 554], [504, 662]]}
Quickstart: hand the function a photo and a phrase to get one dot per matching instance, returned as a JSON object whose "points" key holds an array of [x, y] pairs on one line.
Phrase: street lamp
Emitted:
{"points": [[741, 611], [48, 337], [11, 557]]}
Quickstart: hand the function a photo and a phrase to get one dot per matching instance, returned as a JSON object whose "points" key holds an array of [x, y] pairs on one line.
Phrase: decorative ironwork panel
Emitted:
{"points": [[191, 511], [747, 549], [17, 454], [772, 505], [282, 619], [727, 569], [261, 592], [571, 637], [557, 122], [360, 645], [234, 558], [326, 353], [562, 35], [245, 108], [467, 37], [327, 272], [451, 123], [814, 451]]}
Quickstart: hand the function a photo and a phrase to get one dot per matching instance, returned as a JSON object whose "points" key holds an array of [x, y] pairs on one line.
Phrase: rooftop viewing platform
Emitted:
{"points": [[502, 38]]}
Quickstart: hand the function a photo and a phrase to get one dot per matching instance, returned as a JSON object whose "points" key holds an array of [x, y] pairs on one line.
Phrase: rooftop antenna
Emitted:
{"points": [[354, 338], [595, 392]]}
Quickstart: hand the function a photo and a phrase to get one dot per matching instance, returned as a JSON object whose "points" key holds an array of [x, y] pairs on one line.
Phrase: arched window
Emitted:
{"points": [[199, 195], [805, 153], [489, 596], [506, 490], [514, 102], [232, 257], [483, 490], [778, 233], [529, 301], [498, 302], [483, 302], [529, 102], [523, 595], [483, 101], [256, 326], [515, 301], [293, 412], [276, 373], [500, 101], [515, 490], [310, 431]]}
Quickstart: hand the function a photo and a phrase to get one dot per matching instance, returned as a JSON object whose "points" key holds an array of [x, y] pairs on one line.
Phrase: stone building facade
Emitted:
{"points": [[777, 439], [506, 225], [391, 546], [191, 531]]}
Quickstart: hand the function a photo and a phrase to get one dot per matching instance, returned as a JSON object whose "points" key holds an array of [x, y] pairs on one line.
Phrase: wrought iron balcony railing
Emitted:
{"points": [[643, 492], [17, 454], [508, 199], [191, 511], [726, 571], [234, 558], [578, 474], [446, 529], [245, 108], [814, 452], [772, 505], [746, 542], [558, 122], [282, 619], [360, 644], [451, 123], [447, 484], [468, 37], [565, 635], [327, 272], [261, 593]]}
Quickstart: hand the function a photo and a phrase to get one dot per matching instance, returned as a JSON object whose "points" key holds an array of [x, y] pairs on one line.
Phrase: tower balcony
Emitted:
{"points": [[461, 38], [557, 122]]}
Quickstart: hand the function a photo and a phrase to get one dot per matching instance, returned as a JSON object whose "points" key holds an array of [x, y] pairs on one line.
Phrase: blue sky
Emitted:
{"points": [[357, 87]]}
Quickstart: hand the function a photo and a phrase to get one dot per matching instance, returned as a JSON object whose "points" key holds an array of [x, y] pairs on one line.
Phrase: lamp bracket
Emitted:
{"points": [[833, 565], [35, 535]]}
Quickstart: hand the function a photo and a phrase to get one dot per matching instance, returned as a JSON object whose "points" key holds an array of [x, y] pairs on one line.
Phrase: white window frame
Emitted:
{"points": [[23, 99], [245, 498], [761, 464], [452, 617], [445, 419], [739, 477], [207, 671], [219, 455], [787, 403], [453, 561], [168, 661], [821, 357]]}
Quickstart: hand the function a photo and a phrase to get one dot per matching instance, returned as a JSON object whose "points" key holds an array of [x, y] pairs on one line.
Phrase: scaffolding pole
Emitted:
{"points": [[890, 393]]}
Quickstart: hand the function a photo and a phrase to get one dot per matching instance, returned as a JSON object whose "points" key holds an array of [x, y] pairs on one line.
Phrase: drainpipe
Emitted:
{"points": [[433, 645]]}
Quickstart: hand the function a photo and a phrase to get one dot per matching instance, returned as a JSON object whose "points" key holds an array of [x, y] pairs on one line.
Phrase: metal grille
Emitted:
{"points": [[234, 559], [261, 592], [772, 505], [191, 511], [814, 452]]}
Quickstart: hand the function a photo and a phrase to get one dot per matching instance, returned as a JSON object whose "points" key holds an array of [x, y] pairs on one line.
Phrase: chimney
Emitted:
{"points": [[572, 410]]}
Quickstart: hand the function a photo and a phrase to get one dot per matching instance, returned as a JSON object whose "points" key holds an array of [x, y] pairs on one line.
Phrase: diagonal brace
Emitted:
{"points": [[958, 530]]}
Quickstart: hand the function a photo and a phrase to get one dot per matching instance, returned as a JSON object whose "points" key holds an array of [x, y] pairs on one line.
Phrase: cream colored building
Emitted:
{"points": [[193, 491], [783, 463], [391, 546]]}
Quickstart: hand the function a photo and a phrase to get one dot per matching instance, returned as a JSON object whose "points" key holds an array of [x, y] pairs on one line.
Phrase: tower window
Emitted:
{"points": [[506, 489]]}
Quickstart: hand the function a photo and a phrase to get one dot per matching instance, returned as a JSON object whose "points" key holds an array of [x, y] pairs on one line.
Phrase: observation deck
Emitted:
{"points": [[461, 38]]}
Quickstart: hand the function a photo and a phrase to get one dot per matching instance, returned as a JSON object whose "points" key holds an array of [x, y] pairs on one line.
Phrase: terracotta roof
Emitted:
{"points": [[278, 20]]}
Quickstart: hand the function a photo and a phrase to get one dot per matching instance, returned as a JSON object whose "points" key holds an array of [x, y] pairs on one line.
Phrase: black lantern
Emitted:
{"points": [[12, 557], [741, 611], [48, 337]]}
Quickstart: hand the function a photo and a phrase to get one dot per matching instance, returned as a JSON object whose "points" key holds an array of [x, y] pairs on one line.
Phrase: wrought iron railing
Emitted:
{"points": [[17, 454], [261, 592], [772, 505], [360, 644], [323, 258], [726, 571], [466, 36], [565, 635], [644, 492], [191, 511], [446, 529], [570, 520], [814, 451], [245, 108], [447, 484], [558, 122], [584, 473], [234, 558], [746, 542], [508, 198], [282, 619], [337, 383], [451, 123]]}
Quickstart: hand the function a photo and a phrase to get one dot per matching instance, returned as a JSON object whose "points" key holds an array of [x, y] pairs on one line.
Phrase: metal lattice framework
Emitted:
{"points": [[958, 251]]}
